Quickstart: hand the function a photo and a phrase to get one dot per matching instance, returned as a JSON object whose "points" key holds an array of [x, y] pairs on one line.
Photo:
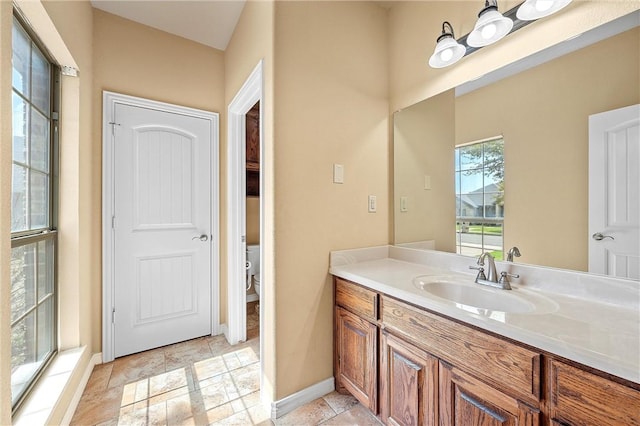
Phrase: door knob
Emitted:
{"points": [[598, 236], [202, 237]]}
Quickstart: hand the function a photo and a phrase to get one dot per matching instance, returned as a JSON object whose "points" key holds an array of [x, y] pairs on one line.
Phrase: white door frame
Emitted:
{"points": [[109, 102], [245, 99]]}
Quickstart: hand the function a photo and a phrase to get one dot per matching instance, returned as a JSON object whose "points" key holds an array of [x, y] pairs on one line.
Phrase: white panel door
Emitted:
{"points": [[614, 193], [162, 227]]}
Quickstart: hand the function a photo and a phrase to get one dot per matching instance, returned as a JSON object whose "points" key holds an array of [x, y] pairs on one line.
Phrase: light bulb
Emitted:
{"points": [[488, 31], [446, 55], [543, 5]]}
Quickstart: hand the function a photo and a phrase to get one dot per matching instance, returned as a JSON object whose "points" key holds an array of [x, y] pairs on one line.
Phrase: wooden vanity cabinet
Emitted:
{"points": [[506, 366], [433, 370], [465, 400], [578, 397], [356, 343], [408, 383]]}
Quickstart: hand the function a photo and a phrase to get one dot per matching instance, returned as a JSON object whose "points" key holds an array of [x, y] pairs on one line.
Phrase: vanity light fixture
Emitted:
{"points": [[448, 51], [490, 27], [536, 9]]}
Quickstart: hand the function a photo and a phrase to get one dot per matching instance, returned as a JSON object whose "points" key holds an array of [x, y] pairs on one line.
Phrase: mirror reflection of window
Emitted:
{"points": [[479, 180]]}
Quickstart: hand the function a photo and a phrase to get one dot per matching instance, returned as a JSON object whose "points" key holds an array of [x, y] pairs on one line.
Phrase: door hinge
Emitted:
{"points": [[244, 238], [113, 315], [113, 127], [113, 222]]}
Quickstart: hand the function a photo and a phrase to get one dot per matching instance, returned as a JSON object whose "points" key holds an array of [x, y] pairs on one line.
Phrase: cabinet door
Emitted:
{"points": [[581, 398], [357, 360], [408, 384], [465, 400]]}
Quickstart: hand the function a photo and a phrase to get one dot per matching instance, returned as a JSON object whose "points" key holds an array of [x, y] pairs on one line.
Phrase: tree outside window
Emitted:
{"points": [[479, 180]]}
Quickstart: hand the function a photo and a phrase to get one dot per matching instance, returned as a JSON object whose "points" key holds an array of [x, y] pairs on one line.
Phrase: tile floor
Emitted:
{"points": [[199, 382]]}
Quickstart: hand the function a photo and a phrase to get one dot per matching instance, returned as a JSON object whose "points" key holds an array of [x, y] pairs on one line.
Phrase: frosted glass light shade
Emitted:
{"points": [[490, 27], [447, 52], [535, 9]]}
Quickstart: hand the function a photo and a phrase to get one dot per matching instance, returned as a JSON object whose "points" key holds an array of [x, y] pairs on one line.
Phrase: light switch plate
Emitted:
{"points": [[403, 204], [373, 204], [427, 182], [338, 173]]}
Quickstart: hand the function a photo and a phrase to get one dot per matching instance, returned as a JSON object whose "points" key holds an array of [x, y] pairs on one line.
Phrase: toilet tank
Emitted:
{"points": [[253, 256]]}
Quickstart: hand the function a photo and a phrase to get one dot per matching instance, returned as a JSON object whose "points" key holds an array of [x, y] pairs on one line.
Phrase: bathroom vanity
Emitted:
{"points": [[415, 354]]}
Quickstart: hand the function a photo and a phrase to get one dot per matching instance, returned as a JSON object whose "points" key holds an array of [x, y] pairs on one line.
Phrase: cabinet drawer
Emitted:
{"points": [[356, 299], [582, 398], [504, 365]]}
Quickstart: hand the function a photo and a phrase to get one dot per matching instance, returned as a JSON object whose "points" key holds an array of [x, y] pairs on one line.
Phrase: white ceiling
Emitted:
{"points": [[210, 22]]}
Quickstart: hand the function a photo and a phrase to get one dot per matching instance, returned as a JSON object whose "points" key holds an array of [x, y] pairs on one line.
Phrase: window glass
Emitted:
{"points": [[479, 177], [20, 60], [19, 123], [40, 80], [33, 237], [18, 198], [39, 141]]}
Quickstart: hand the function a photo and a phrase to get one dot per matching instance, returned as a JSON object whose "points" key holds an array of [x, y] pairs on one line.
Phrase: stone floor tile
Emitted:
{"points": [[146, 414], [168, 381], [215, 391], [246, 380], [339, 402], [219, 413], [313, 413], [357, 415], [98, 407], [240, 419], [138, 366], [247, 355], [260, 415], [99, 379], [185, 353], [209, 367]]}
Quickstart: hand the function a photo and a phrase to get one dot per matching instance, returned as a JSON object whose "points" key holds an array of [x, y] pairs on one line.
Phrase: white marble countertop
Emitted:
{"points": [[588, 319]]}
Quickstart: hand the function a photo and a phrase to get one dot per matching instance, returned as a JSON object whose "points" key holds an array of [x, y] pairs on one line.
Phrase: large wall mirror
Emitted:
{"points": [[531, 118]]}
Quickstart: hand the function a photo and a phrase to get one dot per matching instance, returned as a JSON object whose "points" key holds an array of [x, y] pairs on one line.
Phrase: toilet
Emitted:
{"points": [[253, 267]]}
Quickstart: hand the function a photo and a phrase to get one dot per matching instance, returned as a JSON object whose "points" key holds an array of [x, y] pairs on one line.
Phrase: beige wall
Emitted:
{"points": [[331, 107], [253, 220], [5, 212], [415, 25], [423, 145], [543, 115], [76, 239], [137, 60], [251, 42]]}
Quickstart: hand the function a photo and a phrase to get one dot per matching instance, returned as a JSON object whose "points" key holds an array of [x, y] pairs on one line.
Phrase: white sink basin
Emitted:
{"points": [[482, 299]]}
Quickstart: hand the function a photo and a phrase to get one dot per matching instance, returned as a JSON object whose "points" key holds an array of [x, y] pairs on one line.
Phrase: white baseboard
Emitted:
{"points": [[73, 405], [298, 399]]}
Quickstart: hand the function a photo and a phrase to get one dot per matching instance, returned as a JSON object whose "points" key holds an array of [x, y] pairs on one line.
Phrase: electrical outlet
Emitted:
{"points": [[373, 204]]}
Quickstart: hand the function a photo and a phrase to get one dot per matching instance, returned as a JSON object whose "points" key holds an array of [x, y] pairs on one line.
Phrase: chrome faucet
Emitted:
{"points": [[490, 273], [490, 278], [513, 251]]}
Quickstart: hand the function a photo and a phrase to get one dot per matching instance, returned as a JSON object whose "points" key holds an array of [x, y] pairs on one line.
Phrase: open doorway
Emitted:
{"points": [[252, 217], [242, 179]]}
